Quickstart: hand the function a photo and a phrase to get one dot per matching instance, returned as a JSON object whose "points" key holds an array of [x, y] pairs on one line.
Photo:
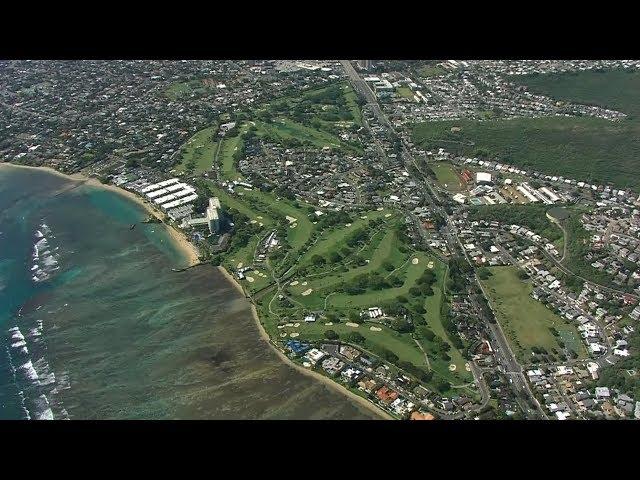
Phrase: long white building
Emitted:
{"points": [[156, 186]]}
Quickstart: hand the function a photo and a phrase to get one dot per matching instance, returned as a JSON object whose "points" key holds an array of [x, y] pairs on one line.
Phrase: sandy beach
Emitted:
{"points": [[305, 371], [191, 254], [188, 249], [317, 376]]}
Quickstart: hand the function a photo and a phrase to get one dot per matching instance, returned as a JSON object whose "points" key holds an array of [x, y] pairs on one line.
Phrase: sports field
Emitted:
{"points": [[447, 176]]}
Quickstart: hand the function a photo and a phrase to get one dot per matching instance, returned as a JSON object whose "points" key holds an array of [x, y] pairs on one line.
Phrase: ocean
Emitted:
{"points": [[95, 325]]}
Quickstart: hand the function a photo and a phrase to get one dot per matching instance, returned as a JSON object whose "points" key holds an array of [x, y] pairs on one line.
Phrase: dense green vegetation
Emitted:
{"points": [[578, 245], [590, 149], [625, 374], [615, 89], [530, 215]]}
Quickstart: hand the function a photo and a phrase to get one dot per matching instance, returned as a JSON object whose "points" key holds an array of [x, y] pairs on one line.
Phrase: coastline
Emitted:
{"points": [[191, 253], [186, 247], [304, 371]]}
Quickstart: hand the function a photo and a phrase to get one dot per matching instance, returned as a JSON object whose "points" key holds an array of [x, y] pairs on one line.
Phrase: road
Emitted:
{"points": [[505, 354]]}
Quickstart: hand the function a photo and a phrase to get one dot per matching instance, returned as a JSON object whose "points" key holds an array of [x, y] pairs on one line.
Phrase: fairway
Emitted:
{"points": [[228, 149], [296, 236], [525, 321], [231, 201], [286, 129], [199, 152], [409, 272]]}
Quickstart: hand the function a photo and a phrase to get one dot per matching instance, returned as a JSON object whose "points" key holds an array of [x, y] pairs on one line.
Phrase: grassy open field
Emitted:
{"points": [[199, 152], [179, 89], [405, 92], [584, 148], [525, 321], [431, 71], [447, 176], [351, 98]]}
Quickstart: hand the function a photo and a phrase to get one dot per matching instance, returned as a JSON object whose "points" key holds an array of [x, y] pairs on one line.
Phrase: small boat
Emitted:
{"points": [[133, 225]]}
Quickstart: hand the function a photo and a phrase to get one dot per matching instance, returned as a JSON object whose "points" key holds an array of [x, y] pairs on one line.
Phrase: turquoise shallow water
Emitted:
{"points": [[110, 332]]}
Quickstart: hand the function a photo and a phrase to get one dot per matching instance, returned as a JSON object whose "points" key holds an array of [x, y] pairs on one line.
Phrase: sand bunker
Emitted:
{"points": [[296, 325], [294, 283], [307, 292], [364, 217], [239, 265], [380, 209], [303, 283], [291, 219], [294, 334], [354, 325], [415, 261], [467, 367], [387, 215], [289, 324], [259, 217], [283, 334], [294, 225], [306, 364], [250, 279], [347, 224], [452, 368], [253, 221], [328, 324], [375, 329], [430, 265]]}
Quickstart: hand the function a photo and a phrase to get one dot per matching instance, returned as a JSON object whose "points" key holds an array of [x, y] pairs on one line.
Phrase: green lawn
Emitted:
{"points": [[447, 176], [431, 71], [179, 89], [405, 92], [525, 321]]}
